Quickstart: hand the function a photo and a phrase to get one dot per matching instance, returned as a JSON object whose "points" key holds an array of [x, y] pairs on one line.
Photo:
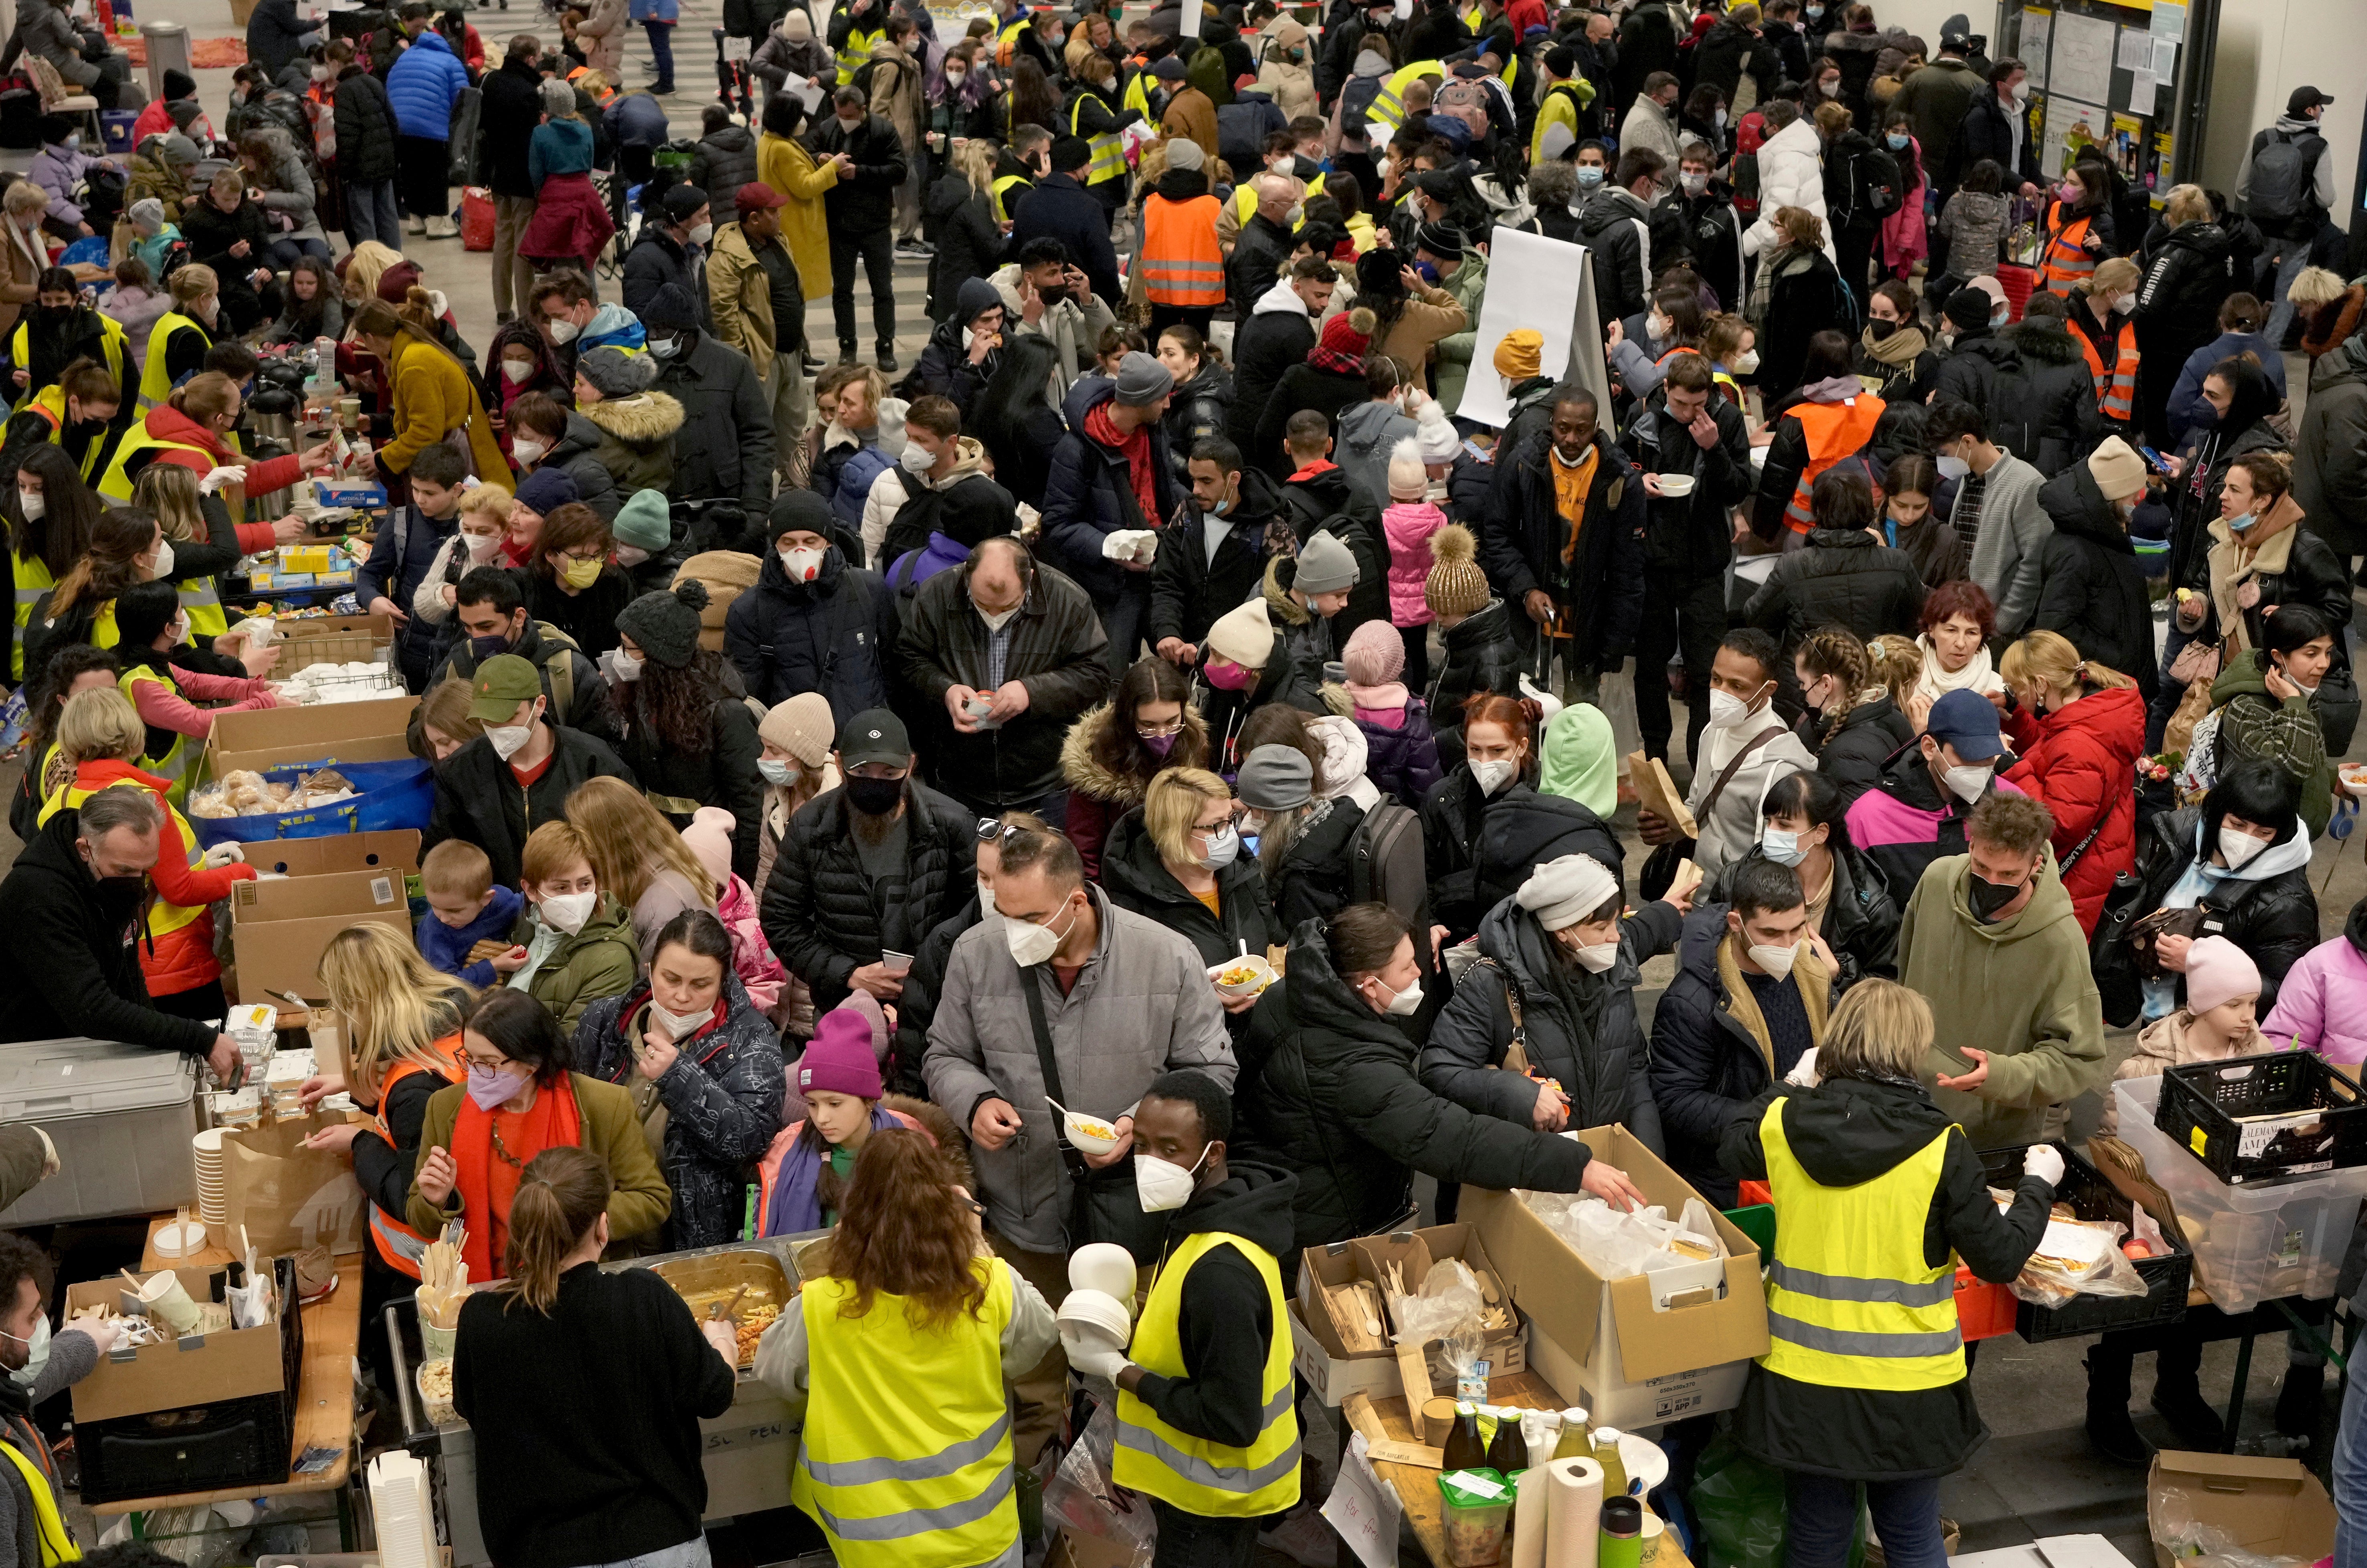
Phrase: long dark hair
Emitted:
{"points": [[1911, 162], [70, 510], [677, 706], [104, 567], [1120, 750], [142, 611], [307, 315], [1032, 101], [999, 420], [47, 687]]}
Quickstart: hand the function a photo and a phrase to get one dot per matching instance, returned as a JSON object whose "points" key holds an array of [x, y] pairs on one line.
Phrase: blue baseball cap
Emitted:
{"points": [[1966, 722]]}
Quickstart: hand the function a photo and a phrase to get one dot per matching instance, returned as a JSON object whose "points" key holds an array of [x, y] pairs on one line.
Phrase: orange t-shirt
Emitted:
{"points": [[1209, 898]]}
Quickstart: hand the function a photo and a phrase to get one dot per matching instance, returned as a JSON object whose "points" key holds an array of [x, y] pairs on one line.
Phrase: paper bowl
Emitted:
{"points": [[1104, 1267], [2354, 779], [1078, 1128], [1263, 977], [1644, 1461], [1675, 485], [1091, 1315]]}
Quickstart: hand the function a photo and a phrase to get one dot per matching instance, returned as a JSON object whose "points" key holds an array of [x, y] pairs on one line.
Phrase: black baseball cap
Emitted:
{"points": [[2305, 99], [874, 735]]}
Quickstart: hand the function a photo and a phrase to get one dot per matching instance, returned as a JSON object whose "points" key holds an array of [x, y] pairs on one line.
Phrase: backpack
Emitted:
{"points": [[1466, 101], [1874, 181], [2284, 177], [1387, 864]]}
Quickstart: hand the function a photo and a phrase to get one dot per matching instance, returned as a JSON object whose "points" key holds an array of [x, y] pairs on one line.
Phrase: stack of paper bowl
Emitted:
{"points": [[213, 1183]]}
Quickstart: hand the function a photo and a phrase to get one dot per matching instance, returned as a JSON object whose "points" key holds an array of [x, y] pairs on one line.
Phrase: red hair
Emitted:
{"points": [[1518, 715], [906, 1231], [1960, 597]]}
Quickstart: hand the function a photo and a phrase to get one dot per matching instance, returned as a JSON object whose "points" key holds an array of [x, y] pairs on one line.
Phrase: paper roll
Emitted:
{"points": [[1573, 1513], [1529, 1518]]}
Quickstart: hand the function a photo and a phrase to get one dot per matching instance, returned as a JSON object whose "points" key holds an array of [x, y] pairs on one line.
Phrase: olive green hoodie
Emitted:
{"points": [[598, 961], [2019, 989]]}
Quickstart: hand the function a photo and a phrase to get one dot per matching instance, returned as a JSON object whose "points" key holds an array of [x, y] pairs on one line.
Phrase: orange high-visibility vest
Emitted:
{"points": [[1834, 431], [1181, 263], [397, 1242], [2066, 262], [2116, 389]]}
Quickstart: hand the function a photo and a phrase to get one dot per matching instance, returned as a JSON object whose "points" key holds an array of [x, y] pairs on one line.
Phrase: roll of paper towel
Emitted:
{"points": [[1529, 1519], [1573, 1512]]}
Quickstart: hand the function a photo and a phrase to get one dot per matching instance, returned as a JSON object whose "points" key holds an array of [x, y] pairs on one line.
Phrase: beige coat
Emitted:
{"points": [[896, 91], [2169, 1042], [739, 296], [1427, 317], [1291, 82], [602, 34]]}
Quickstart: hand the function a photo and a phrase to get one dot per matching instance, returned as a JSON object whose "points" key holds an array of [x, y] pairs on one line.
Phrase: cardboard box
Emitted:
{"points": [[2270, 1507], [332, 640], [1669, 1330], [260, 739], [200, 1369], [279, 930], [1336, 1371], [390, 849], [1072, 1551]]}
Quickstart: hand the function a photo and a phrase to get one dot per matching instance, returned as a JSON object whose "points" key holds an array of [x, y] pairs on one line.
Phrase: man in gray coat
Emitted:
{"points": [[1124, 1001]]}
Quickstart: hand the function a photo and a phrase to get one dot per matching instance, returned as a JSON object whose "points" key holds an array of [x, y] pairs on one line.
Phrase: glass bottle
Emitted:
{"points": [[1574, 1443], [1510, 1450], [1464, 1449], [1614, 1468]]}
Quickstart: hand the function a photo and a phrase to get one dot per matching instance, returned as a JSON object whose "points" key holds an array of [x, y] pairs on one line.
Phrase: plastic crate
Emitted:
{"points": [[2256, 1120], [2091, 1197]]}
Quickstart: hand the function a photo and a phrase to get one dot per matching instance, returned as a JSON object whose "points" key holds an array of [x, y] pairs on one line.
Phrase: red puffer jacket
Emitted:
{"points": [[2079, 762]]}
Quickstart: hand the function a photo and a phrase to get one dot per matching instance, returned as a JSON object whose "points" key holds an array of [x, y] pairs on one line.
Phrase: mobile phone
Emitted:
{"points": [[2154, 459], [895, 962]]}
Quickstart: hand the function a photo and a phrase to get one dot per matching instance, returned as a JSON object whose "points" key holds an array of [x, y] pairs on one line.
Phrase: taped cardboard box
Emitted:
{"points": [[200, 1369], [2270, 1507], [332, 640], [1326, 1300], [279, 930], [1644, 1350], [394, 849], [263, 739]]}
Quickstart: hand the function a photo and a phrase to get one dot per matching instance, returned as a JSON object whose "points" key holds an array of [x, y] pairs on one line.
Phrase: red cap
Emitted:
{"points": [[756, 196]]}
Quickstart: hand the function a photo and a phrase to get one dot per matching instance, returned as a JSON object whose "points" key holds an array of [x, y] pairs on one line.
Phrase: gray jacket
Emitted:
{"points": [[73, 1355], [1142, 1006], [1074, 328], [1732, 827], [1368, 432], [2011, 544]]}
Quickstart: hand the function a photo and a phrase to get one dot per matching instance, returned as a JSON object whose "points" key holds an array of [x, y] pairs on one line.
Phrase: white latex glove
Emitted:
{"points": [[105, 1332], [2042, 1162], [222, 855], [1095, 1361], [217, 477], [723, 1336], [1804, 1071]]}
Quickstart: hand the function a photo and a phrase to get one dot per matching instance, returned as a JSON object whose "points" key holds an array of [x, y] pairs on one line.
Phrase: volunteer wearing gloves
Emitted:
{"points": [[36, 1367], [1206, 1427], [1877, 1195], [896, 1354], [588, 1455]]}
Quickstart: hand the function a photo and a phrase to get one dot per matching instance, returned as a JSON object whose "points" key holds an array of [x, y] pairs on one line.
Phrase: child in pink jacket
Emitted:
{"points": [[2322, 1002], [1407, 523]]}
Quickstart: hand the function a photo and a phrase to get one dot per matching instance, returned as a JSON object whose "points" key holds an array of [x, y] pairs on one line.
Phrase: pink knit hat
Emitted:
{"points": [[2218, 971], [839, 1060], [1374, 655], [708, 837]]}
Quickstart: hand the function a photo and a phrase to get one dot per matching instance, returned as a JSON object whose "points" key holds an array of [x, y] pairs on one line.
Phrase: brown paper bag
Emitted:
{"points": [[288, 1197]]}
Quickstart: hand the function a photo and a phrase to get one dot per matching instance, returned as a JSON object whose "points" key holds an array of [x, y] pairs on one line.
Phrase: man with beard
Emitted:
{"points": [[866, 870]]}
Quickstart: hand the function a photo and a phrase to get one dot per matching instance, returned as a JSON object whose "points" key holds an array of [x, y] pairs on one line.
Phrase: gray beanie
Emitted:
{"points": [[1324, 566], [664, 626], [1142, 380], [1182, 153], [147, 216], [180, 150], [616, 372], [1276, 778]]}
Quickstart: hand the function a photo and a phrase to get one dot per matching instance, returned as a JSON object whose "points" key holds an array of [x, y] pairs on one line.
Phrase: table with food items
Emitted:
{"points": [[747, 1448]]}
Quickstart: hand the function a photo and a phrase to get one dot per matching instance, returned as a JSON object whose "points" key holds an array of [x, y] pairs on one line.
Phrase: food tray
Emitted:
{"points": [[2255, 1121], [707, 1281], [2094, 1198]]}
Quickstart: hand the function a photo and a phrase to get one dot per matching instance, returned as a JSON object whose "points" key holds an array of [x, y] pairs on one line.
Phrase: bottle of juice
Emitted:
{"points": [[1615, 1470], [1464, 1450], [1574, 1443]]}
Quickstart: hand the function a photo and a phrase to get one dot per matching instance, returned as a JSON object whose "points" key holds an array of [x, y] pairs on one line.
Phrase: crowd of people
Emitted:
{"points": [[842, 768]]}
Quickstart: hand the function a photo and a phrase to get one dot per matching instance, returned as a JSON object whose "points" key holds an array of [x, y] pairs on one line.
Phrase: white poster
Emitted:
{"points": [[1189, 26], [2037, 26], [1364, 1509], [2070, 125], [2135, 50], [1553, 291], [2082, 65], [2169, 20]]}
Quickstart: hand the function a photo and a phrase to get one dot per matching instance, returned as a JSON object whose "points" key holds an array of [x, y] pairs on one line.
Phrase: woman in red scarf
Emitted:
{"points": [[520, 1099]]}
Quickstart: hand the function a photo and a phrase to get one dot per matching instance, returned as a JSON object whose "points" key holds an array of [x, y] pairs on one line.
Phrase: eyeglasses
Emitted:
{"points": [[1156, 731]]}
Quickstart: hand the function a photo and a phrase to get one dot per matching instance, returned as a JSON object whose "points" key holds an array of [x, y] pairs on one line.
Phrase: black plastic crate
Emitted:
{"points": [[2091, 1197], [2319, 1124], [247, 1441]]}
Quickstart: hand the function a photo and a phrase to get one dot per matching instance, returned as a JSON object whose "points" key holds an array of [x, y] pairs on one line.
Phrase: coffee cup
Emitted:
{"points": [[162, 1295]]}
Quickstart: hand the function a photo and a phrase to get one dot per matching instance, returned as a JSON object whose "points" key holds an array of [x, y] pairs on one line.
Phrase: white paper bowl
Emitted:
{"points": [[1104, 1266], [1265, 977], [1072, 1124], [1090, 1314], [1675, 485]]}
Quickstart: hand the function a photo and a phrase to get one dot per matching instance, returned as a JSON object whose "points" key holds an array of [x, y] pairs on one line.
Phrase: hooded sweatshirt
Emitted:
{"points": [[2203, 880], [1225, 1326], [2019, 988]]}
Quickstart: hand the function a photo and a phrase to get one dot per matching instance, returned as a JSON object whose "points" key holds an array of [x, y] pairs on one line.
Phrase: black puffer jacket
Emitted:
{"points": [[477, 797], [962, 227], [1480, 657], [1853, 758], [1198, 410], [1579, 1029], [833, 634], [1971, 370], [1327, 1092], [822, 913], [1135, 878], [724, 449], [1481, 848], [1522, 536], [1689, 538], [1613, 226], [1861, 916], [1843, 1133], [1316, 877], [2090, 588], [366, 129], [1845, 578], [2187, 276], [1727, 51], [722, 1099], [576, 454], [1088, 495], [723, 162], [2273, 920], [1322, 499], [1188, 590], [2043, 409]]}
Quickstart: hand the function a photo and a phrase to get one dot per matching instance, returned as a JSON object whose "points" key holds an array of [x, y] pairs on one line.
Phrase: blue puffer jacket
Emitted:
{"points": [[423, 83], [832, 634], [855, 472], [1088, 495], [636, 119]]}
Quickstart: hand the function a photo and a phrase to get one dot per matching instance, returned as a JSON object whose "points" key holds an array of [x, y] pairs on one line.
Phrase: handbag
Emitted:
{"points": [[1102, 1205], [1660, 868]]}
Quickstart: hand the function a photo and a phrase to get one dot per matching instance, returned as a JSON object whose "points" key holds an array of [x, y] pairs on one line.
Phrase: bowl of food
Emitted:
{"points": [[2354, 778], [1103, 1266], [1091, 1134], [1675, 485], [1243, 977]]}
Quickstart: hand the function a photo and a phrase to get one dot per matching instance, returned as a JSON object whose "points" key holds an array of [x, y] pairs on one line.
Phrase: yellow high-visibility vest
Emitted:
{"points": [[1003, 184], [1109, 152], [111, 348], [58, 1544], [1210, 1479], [1850, 1302], [1388, 108], [155, 381], [162, 918]]}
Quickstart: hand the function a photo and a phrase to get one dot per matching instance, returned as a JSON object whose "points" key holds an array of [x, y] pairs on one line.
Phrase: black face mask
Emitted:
{"points": [[874, 798], [488, 646], [1988, 897], [1879, 331], [1053, 296], [84, 428]]}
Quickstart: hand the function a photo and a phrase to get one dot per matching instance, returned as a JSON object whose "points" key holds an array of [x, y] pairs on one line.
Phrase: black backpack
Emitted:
{"points": [[1387, 864], [2284, 175]]}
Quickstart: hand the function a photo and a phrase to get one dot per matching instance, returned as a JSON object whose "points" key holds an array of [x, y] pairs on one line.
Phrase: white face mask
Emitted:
{"points": [[1401, 1004], [701, 233], [985, 897], [180, 631], [566, 911], [1727, 710], [1162, 1185], [1595, 958], [2237, 847], [1744, 364], [673, 1025], [629, 665], [33, 504], [1224, 847], [803, 564], [526, 452], [1658, 325], [1952, 467], [998, 619], [481, 547], [2124, 304], [918, 459], [953, 78], [563, 331], [630, 556], [163, 560], [509, 739], [517, 370], [1968, 783], [1776, 961], [776, 772], [1030, 943], [1491, 776]]}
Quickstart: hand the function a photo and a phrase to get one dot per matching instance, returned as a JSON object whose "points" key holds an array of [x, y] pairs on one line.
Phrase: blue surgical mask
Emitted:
{"points": [[1897, 140], [776, 772], [1589, 176], [488, 646], [1782, 846]]}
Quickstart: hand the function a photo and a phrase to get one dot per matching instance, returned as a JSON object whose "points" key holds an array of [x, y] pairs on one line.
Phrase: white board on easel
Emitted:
{"points": [[1553, 293]]}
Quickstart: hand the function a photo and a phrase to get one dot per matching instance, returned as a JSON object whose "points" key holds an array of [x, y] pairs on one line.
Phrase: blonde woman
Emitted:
{"points": [[639, 858], [1914, 1188], [206, 543], [484, 520], [2078, 728], [401, 1021], [2101, 324], [970, 240], [1177, 859], [444, 723]]}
